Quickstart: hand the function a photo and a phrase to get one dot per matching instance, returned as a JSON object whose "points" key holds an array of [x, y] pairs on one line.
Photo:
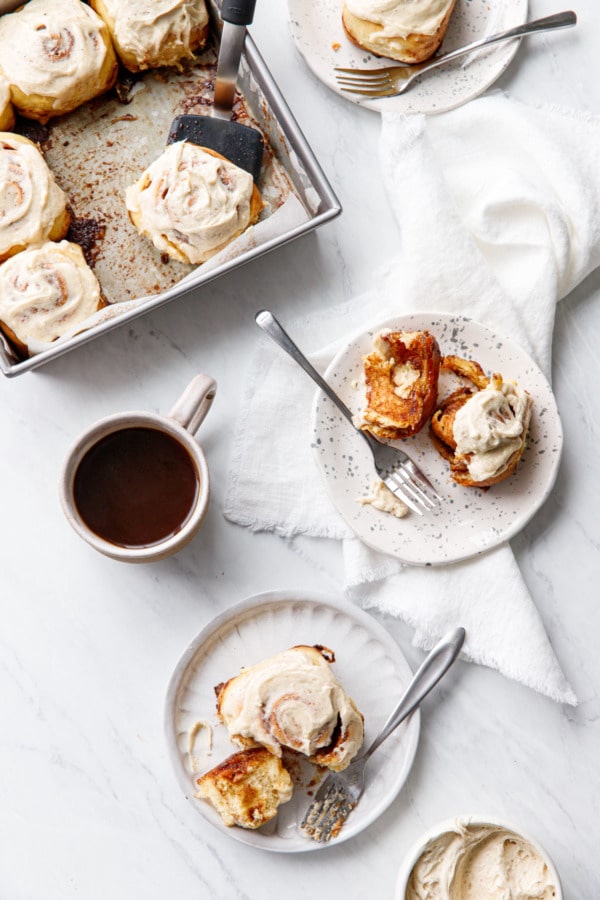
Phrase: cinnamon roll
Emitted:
{"points": [[191, 202], [402, 378], [481, 429], [7, 113], [293, 700], [247, 788], [46, 291], [56, 54], [149, 33], [33, 208], [407, 30]]}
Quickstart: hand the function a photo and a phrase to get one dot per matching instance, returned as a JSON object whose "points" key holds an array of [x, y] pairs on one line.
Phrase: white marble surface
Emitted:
{"points": [[89, 806]]}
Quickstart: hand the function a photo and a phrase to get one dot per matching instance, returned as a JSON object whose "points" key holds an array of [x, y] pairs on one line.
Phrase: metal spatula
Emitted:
{"points": [[240, 144]]}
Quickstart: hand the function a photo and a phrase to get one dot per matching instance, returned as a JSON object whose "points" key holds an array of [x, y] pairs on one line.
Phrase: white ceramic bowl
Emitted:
{"points": [[449, 825]]}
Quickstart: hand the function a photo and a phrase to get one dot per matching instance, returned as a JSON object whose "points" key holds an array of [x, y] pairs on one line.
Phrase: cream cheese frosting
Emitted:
{"points": [[491, 426], [46, 290], [381, 498], [51, 49], [30, 199], [480, 862], [190, 203], [143, 27], [399, 18], [292, 699]]}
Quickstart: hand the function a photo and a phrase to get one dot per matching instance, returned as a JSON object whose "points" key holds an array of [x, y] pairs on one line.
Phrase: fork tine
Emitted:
{"points": [[410, 483], [398, 488], [361, 82], [408, 488], [370, 93], [422, 479]]}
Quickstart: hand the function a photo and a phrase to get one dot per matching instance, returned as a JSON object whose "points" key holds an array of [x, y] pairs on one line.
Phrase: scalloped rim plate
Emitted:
{"points": [[316, 27], [469, 521], [369, 664]]}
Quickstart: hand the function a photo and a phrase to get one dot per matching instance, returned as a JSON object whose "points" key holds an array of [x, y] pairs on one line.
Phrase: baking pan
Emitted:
{"points": [[97, 150]]}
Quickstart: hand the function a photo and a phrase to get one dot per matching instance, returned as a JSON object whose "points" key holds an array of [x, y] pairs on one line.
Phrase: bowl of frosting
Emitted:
{"points": [[477, 858]]}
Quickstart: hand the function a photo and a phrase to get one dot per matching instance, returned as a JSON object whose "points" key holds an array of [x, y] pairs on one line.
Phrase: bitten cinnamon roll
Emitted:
{"points": [[401, 376], [7, 113], [408, 30], [191, 202], [149, 33], [33, 208], [293, 700], [481, 429], [56, 54], [44, 292]]}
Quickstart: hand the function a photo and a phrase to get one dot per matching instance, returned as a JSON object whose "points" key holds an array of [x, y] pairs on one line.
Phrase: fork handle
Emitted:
{"points": [[269, 324], [436, 664], [558, 20]]}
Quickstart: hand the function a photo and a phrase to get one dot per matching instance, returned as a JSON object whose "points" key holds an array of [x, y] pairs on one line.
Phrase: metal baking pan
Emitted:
{"points": [[90, 153]]}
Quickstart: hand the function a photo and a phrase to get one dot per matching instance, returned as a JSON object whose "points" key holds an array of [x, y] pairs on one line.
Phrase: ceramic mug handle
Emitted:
{"points": [[194, 403]]}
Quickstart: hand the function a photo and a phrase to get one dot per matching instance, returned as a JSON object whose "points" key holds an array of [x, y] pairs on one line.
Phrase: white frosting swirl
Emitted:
{"points": [[190, 203], [142, 28], [52, 48], [46, 290], [491, 426], [292, 700], [30, 199], [474, 862], [399, 18]]}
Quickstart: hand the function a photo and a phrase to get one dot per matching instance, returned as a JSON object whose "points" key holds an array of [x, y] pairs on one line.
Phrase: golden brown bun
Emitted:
{"points": [[389, 416], [441, 427], [7, 116], [170, 50], [57, 46], [247, 788], [414, 48]]}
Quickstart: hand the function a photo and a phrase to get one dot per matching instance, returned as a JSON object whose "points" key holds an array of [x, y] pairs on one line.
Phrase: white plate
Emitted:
{"points": [[469, 521], [316, 27], [369, 664]]}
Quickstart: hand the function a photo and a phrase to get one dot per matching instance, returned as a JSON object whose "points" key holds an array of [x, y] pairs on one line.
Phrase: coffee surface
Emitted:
{"points": [[136, 487]]}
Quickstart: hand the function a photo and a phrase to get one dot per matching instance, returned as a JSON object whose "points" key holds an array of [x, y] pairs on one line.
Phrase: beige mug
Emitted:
{"points": [[136, 485]]}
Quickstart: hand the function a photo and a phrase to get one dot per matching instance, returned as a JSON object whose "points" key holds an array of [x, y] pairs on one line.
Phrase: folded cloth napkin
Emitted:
{"points": [[498, 206]]}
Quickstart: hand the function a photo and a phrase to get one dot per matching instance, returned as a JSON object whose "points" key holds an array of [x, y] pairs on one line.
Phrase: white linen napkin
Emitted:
{"points": [[498, 206]]}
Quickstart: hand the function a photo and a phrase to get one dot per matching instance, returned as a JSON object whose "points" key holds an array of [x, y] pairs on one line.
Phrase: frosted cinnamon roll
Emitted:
{"points": [[408, 30], [56, 54], [44, 292], [32, 206], [293, 700], [7, 113], [191, 202], [149, 33]]}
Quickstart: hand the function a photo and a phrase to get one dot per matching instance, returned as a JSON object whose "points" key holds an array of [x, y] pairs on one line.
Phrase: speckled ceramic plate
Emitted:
{"points": [[469, 521], [368, 663], [317, 29]]}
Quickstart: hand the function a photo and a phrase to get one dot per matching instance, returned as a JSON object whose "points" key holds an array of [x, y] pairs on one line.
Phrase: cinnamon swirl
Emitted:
{"points": [[7, 113], [32, 206], [149, 33], [293, 700], [407, 30], [46, 291], [56, 54], [191, 202]]}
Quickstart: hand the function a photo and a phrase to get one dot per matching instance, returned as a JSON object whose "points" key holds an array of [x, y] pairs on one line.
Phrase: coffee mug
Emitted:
{"points": [[136, 485]]}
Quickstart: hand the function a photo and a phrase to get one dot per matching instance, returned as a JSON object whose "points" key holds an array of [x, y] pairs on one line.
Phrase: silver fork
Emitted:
{"points": [[341, 791], [394, 80], [397, 471]]}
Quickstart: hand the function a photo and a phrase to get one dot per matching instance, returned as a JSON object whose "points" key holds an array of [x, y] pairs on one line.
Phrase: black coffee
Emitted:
{"points": [[136, 487]]}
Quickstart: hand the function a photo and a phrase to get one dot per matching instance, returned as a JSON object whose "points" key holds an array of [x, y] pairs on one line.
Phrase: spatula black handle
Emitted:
{"points": [[238, 12]]}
